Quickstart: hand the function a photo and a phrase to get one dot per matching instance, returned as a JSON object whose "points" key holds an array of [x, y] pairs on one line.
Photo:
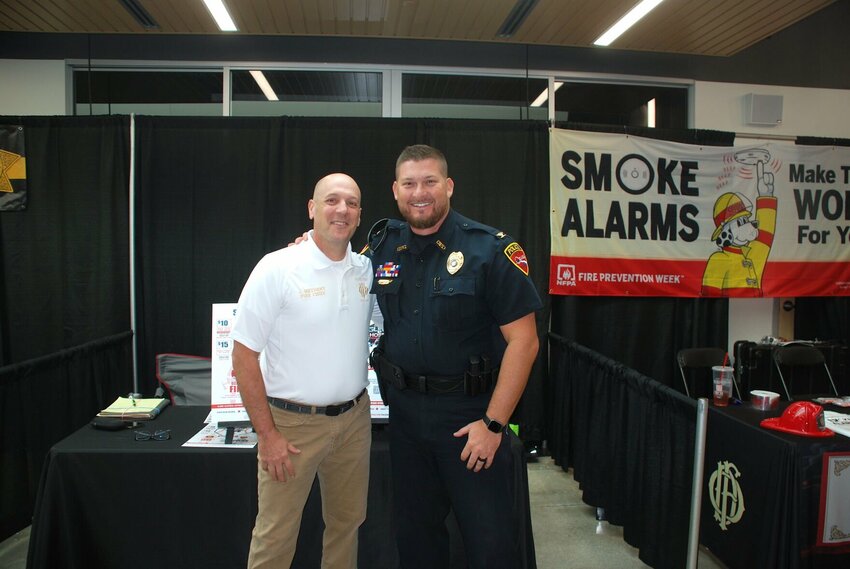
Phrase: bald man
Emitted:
{"points": [[301, 343]]}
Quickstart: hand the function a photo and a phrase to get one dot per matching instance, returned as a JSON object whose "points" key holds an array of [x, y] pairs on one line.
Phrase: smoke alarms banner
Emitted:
{"points": [[643, 217]]}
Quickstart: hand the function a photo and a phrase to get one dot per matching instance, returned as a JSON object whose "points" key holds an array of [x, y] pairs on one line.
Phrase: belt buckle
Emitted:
{"points": [[333, 410]]}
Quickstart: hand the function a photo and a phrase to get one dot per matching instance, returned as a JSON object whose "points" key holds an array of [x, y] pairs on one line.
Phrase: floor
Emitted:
{"points": [[566, 532]]}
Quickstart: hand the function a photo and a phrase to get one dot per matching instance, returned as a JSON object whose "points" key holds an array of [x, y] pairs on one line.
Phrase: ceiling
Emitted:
{"points": [[705, 27]]}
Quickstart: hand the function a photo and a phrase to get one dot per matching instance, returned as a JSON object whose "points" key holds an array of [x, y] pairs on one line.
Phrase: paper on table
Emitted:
{"points": [[213, 436], [130, 408], [838, 422]]}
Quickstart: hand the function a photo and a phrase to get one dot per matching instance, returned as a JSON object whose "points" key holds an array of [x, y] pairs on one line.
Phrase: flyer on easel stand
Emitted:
{"points": [[225, 401]]}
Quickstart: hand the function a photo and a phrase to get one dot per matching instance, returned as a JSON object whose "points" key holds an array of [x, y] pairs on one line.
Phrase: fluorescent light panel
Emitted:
{"points": [[627, 21], [264, 85], [220, 14], [650, 113], [541, 98]]}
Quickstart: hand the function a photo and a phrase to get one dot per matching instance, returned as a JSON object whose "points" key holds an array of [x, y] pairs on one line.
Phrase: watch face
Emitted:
{"points": [[493, 426]]}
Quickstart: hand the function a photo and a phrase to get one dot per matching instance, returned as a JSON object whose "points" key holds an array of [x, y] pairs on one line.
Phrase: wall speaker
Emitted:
{"points": [[764, 110]]}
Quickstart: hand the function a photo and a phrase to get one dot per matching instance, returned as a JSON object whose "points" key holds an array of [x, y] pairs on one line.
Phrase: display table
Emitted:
{"points": [[767, 493], [106, 500]]}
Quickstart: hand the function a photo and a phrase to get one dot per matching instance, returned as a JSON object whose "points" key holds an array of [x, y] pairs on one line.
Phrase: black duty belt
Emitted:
{"points": [[330, 410], [434, 384], [472, 382]]}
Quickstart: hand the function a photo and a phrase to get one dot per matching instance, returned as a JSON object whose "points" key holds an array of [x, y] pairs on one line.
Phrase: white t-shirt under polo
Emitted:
{"points": [[309, 318]]}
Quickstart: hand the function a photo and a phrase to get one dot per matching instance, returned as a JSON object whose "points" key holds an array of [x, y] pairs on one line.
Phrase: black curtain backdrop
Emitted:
{"points": [[216, 194], [44, 399], [64, 296], [630, 442], [65, 277], [822, 318]]}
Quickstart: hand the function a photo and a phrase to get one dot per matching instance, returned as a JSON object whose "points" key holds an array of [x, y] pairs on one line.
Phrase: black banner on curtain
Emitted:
{"points": [[13, 169]]}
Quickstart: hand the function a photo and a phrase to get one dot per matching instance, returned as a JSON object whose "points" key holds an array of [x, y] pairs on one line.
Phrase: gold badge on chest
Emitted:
{"points": [[454, 262]]}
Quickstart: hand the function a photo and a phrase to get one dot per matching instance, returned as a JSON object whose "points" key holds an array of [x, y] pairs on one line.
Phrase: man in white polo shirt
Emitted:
{"points": [[301, 343]]}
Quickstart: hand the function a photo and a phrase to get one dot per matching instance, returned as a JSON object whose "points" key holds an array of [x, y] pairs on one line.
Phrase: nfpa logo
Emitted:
{"points": [[566, 275]]}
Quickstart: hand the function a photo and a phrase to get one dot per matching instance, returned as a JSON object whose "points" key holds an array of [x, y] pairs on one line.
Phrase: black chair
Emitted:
{"points": [[799, 357], [700, 361]]}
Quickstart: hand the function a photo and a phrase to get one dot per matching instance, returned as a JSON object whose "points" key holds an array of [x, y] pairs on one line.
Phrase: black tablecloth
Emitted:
{"points": [[776, 489], [106, 500]]}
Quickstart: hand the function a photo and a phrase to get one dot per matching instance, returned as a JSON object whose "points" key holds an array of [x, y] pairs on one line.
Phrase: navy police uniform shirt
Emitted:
{"points": [[443, 296]]}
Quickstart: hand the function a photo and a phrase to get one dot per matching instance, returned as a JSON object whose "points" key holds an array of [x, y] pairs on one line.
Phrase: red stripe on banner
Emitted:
{"points": [[590, 276]]}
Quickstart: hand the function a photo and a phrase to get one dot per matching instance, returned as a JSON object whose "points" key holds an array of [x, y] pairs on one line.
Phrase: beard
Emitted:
{"points": [[424, 222]]}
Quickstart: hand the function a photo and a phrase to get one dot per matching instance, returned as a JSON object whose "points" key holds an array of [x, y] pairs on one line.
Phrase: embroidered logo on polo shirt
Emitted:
{"points": [[312, 292], [517, 256], [387, 270]]}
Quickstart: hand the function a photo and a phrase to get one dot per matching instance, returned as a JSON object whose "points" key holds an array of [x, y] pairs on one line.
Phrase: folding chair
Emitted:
{"points": [[800, 356], [186, 379], [702, 359]]}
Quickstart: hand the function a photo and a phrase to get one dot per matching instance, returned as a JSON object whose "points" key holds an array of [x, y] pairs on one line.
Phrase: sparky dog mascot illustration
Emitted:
{"points": [[743, 235]]}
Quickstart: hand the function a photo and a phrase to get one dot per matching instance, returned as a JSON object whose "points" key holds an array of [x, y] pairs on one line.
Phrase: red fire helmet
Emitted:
{"points": [[802, 418]]}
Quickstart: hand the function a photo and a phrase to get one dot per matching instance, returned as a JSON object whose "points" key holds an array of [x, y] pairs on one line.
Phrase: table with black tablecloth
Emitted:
{"points": [[776, 489], [106, 500]]}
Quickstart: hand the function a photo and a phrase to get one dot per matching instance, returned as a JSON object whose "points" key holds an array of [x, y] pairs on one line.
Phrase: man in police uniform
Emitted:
{"points": [[460, 340]]}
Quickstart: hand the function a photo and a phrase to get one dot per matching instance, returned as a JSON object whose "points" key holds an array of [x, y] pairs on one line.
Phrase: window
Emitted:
{"points": [[115, 92], [471, 97], [612, 104], [307, 93]]}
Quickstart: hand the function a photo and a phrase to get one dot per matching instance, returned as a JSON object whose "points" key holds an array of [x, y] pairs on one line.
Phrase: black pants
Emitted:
{"points": [[429, 478]]}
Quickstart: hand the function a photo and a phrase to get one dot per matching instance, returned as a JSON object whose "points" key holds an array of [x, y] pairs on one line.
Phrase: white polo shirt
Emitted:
{"points": [[309, 318]]}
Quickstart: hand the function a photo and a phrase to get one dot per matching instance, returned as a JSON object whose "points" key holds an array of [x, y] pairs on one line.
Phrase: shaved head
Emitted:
{"points": [[331, 181]]}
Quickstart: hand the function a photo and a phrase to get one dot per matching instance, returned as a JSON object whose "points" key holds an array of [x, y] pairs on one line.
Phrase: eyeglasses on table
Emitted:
{"points": [[162, 435]]}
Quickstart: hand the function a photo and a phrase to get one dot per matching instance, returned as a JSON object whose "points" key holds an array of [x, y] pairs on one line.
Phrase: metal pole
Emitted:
{"points": [[132, 187], [696, 493]]}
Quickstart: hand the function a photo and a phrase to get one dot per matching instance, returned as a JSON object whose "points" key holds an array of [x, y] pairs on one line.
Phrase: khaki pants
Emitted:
{"points": [[335, 448]]}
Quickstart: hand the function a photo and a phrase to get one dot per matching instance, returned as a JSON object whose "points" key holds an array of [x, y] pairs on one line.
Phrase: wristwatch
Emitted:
{"points": [[492, 425]]}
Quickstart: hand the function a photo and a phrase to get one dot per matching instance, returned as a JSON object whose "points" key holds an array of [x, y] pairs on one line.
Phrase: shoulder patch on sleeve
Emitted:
{"points": [[517, 256]]}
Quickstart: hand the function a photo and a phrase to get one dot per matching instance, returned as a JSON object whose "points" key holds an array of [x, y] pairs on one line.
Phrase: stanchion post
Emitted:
{"points": [[696, 492]]}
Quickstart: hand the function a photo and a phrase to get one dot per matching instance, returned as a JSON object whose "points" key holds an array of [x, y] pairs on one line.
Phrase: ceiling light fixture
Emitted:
{"points": [[542, 97], [515, 18], [627, 21], [140, 14], [220, 14], [264, 85]]}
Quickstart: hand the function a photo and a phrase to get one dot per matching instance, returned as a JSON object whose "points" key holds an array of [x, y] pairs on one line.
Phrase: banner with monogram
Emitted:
{"points": [[13, 169], [633, 216]]}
